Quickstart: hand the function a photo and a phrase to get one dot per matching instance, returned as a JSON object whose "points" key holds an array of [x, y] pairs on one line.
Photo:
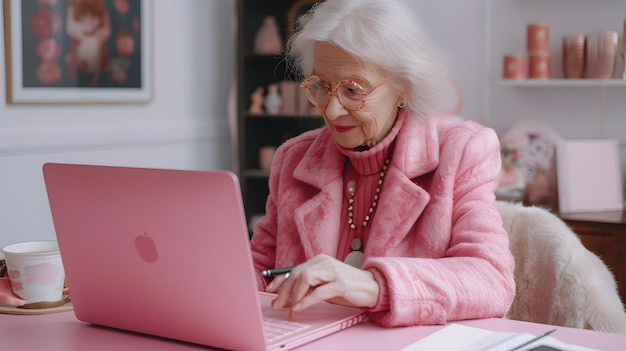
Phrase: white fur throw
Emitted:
{"points": [[559, 281]]}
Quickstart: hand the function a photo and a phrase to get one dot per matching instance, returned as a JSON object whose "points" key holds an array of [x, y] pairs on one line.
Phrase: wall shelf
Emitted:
{"points": [[256, 173], [261, 70], [564, 83], [284, 116]]}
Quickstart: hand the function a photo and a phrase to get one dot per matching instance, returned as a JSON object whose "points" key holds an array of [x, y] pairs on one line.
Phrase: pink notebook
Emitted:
{"points": [[166, 253]]}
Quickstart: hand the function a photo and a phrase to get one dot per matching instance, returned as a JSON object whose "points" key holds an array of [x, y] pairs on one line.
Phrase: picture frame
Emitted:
{"points": [[296, 13], [589, 176], [71, 52]]}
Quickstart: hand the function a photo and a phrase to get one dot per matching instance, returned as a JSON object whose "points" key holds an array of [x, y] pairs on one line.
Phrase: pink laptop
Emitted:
{"points": [[166, 253]]}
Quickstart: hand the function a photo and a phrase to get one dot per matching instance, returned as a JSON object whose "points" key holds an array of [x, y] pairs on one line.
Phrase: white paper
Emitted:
{"points": [[457, 337]]}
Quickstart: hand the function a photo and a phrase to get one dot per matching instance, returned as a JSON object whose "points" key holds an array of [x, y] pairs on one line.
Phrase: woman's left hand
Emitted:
{"points": [[324, 278]]}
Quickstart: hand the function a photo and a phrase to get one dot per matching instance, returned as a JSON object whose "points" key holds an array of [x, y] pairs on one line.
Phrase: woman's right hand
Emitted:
{"points": [[324, 278]]}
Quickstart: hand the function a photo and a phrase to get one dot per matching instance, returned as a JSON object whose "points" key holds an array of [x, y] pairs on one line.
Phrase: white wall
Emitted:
{"points": [[476, 34], [185, 126], [457, 28]]}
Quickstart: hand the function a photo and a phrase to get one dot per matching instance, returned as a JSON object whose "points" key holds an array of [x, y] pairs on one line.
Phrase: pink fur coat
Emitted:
{"points": [[436, 246]]}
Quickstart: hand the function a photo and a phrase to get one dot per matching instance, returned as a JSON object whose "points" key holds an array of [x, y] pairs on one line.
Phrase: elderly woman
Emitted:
{"points": [[387, 207]]}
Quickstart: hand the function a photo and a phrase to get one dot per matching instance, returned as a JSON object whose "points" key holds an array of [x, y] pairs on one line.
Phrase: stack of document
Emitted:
{"points": [[457, 337]]}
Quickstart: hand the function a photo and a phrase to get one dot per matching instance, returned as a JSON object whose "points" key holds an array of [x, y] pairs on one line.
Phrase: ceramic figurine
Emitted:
{"points": [[256, 106], [268, 40], [273, 101]]}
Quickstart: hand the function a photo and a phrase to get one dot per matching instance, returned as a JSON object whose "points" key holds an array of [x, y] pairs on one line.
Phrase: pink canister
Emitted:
{"points": [[537, 37], [514, 67], [539, 65]]}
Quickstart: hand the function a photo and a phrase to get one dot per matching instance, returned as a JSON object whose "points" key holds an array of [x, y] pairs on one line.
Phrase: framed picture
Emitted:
{"points": [[296, 14], [78, 51]]}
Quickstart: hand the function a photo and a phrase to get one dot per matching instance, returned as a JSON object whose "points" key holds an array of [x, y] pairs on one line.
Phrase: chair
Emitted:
{"points": [[559, 281]]}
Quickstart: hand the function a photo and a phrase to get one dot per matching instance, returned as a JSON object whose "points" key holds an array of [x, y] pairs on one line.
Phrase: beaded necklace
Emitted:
{"points": [[355, 257]]}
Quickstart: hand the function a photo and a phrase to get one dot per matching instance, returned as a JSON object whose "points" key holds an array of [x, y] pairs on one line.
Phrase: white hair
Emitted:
{"points": [[383, 33]]}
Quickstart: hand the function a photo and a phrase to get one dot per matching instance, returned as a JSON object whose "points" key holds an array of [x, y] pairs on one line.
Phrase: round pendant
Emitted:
{"points": [[354, 259], [355, 244]]}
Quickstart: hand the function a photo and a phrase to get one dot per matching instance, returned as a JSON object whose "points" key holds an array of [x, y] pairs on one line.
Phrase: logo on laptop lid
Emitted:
{"points": [[146, 247]]}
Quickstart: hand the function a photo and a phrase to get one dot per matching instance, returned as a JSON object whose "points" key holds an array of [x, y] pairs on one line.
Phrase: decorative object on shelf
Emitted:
{"points": [[289, 92], [268, 40], [294, 100], [54, 55], [273, 100], [623, 50], [511, 180], [538, 50], [257, 101], [266, 154], [574, 56], [537, 38], [514, 67], [564, 83], [539, 65], [536, 144], [601, 51]]}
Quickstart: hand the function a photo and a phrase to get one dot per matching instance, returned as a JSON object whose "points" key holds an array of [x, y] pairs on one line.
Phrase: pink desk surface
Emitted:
{"points": [[62, 331]]}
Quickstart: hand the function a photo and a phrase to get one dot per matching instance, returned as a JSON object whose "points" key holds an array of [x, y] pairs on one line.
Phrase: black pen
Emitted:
{"points": [[533, 340], [276, 271]]}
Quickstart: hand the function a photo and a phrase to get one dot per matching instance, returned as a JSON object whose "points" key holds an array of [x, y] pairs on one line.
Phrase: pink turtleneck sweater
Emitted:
{"points": [[362, 167]]}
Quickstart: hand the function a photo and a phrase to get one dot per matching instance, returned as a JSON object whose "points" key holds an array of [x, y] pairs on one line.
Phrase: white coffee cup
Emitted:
{"points": [[35, 270]]}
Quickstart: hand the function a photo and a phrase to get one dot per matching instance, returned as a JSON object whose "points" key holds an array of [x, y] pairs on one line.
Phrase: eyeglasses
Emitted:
{"points": [[350, 94]]}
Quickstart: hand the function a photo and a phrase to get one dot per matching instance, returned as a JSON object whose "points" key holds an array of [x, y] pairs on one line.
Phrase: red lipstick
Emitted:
{"points": [[344, 129]]}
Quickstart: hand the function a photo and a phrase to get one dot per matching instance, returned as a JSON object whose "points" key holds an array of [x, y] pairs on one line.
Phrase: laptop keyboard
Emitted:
{"points": [[275, 328]]}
